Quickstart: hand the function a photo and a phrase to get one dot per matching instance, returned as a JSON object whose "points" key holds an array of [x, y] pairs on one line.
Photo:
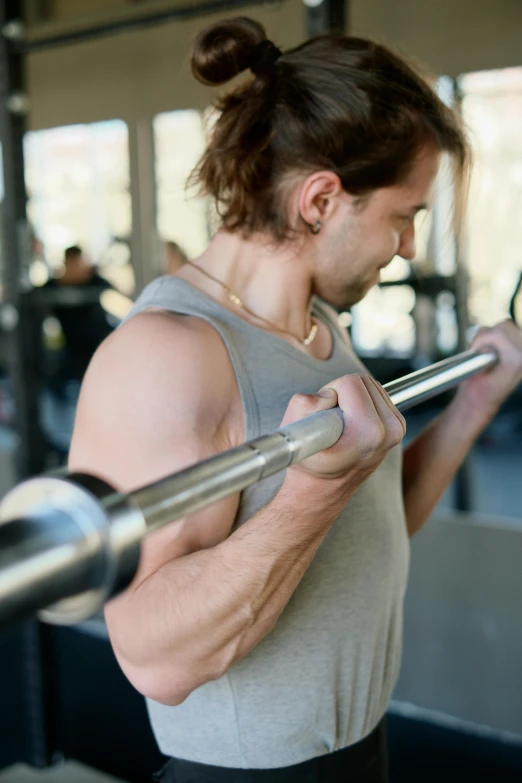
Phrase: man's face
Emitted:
{"points": [[361, 239], [78, 270]]}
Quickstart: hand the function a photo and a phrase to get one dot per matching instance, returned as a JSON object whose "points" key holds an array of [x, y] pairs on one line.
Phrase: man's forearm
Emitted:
{"points": [[193, 618], [432, 460]]}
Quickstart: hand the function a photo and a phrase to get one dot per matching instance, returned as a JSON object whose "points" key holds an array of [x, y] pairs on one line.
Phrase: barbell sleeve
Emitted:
{"points": [[69, 543]]}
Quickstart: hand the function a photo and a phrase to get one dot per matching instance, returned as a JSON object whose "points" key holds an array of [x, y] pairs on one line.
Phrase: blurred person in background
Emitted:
{"points": [[85, 324], [77, 299], [173, 257]]}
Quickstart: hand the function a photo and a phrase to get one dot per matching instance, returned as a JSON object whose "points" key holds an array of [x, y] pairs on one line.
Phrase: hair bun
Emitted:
{"points": [[225, 49]]}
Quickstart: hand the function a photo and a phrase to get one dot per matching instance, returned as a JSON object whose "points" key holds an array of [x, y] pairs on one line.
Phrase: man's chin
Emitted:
{"points": [[343, 300], [357, 296], [341, 304]]}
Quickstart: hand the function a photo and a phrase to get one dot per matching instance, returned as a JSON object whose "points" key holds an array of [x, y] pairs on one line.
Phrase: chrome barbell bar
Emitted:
{"points": [[69, 543]]}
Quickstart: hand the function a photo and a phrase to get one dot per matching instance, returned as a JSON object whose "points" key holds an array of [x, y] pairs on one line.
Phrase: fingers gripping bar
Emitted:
{"points": [[67, 544]]}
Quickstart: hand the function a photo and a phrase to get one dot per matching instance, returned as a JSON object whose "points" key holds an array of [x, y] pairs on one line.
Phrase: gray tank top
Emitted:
{"points": [[321, 679]]}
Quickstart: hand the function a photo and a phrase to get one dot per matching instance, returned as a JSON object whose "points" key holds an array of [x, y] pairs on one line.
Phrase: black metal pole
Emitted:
{"points": [[139, 22], [18, 319], [327, 16], [21, 350], [464, 490]]}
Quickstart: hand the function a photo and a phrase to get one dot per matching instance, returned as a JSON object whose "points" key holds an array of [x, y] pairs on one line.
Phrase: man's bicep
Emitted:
{"points": [[143, 415]]}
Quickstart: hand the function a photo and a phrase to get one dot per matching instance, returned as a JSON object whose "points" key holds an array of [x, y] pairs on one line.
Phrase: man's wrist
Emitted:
{"points": [[470, 416], [327, 495]]}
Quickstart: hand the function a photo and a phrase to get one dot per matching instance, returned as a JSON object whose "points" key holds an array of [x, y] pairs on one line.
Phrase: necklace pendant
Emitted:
{"points": [[237, 301], [311, 336]]}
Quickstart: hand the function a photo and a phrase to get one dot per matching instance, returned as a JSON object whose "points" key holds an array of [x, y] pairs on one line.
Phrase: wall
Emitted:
{"points": [[135, 74], [141, 73], [450, 36], [463, 635]]}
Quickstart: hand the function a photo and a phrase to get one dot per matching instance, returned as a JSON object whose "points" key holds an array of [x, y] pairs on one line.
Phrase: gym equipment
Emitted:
{"points": [[68, 543]]}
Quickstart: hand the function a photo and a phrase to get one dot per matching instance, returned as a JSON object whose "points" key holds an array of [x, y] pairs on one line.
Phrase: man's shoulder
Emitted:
{"points": [[170, 360], [186, 336]]}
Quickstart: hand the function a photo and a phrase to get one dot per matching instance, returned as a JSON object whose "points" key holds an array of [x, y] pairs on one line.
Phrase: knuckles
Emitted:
{"points": [[353, 384], [397, 431], [375, 434]]}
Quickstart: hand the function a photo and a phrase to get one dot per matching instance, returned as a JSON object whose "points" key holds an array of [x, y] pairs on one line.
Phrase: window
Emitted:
{"points": [[182, 216], [77, 180], [492, 109]]}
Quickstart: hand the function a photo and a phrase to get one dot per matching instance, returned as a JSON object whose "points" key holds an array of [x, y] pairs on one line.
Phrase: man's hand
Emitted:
{"points": [[481, 396], [372, 426]]}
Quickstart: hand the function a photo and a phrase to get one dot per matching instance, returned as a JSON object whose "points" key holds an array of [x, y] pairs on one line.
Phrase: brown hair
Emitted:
{"points": [[336, 102], [72, 253]]}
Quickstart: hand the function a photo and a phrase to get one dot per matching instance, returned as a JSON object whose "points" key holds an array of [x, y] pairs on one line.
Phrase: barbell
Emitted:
{"points": [[68, 543]]}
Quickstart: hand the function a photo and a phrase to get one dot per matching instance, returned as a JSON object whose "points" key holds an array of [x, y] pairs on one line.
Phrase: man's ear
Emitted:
{"points": [[319, 196]]}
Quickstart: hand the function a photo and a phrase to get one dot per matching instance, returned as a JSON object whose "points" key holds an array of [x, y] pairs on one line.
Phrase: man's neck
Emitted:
{"points": [[273, 281]]}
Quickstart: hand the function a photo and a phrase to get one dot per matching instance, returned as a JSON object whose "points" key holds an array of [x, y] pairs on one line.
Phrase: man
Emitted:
{"points": [[266, 630], [84, 323]]}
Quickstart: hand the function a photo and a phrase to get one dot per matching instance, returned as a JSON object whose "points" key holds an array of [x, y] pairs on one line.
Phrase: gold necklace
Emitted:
{"points": [[237, 301]]}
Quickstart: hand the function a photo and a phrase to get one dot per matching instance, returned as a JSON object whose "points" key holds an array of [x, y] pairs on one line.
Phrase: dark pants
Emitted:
{"points": [[365, 762]]}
